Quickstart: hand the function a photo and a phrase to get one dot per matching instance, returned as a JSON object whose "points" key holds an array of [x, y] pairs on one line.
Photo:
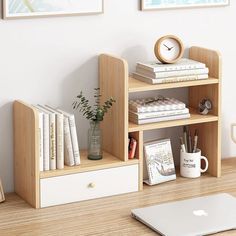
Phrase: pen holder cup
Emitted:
{"points": [[190, 164]]}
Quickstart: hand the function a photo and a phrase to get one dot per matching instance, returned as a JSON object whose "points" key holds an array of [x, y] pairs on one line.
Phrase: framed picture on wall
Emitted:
{"points": [[38, 8], [165, 4]]}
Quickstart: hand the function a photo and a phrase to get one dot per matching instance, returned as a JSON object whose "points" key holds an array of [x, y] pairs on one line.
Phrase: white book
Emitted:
{"points": [[148, 115], [59, 137], [45, 139], [41, 161], [182, 64], [170, 79], [167, 74], [52, 137], [68, 149], [74, 137], [159, 119], [153, 104]]}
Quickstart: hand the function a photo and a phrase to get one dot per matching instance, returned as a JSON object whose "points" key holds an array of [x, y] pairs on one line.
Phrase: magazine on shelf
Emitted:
{"points": [[159, 161]]}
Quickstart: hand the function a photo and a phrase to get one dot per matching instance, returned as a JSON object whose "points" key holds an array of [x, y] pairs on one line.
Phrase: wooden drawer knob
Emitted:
{"points": [[91, 185]]}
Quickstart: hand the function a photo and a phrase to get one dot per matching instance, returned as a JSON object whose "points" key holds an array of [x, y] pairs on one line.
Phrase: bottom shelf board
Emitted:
{"points": [[108, 161]]}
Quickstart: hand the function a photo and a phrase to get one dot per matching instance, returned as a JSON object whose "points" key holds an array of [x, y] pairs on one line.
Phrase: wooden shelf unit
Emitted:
{"points": [[40, 188], [116, 82]]}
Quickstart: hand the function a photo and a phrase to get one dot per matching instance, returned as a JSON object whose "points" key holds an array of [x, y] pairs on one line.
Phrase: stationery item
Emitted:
{"points": [[182, 64], [159, 161], [132, 148], [183, 149], [2, 197], [189, 141], [168, 74], [41, 147], [74, 137], [185, 138], [156, 114], [159, 119], [173, 79], [195, 140], [190, 164], [143, 105]]}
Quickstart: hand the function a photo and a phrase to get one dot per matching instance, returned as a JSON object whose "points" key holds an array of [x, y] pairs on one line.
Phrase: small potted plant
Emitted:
{"points": [[95, 114]]}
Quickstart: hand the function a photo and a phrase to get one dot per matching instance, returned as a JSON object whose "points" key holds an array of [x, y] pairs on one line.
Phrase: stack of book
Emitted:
{"points": [[150, 110], [58, 142], [184, 70]]}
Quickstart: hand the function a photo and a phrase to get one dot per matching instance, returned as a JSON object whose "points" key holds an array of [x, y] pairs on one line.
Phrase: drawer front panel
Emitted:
{"points": [[88, 185]]}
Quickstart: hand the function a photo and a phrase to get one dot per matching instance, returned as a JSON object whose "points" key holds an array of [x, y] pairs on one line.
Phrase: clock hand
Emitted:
{"points": [[167, 47], [171, 48]]}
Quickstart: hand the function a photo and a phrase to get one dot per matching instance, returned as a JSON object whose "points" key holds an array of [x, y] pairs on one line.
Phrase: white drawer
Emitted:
{"points": [[88, 185]]}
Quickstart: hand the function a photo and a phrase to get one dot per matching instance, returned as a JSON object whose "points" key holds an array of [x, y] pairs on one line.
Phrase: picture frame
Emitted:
{"points": [[18, 9], [159, 161], [2, 197], [161, 5]]}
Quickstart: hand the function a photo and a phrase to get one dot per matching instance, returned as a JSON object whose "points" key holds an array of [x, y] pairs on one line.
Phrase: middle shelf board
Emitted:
{"points": [[139, 86], [194, 119], [108, 161]]}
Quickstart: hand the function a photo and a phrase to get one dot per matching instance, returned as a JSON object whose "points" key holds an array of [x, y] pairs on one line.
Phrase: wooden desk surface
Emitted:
{"points": [[108, 216]]}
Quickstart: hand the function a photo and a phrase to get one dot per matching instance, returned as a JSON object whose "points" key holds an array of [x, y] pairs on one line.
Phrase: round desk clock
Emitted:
{"points": [[169, 49]]}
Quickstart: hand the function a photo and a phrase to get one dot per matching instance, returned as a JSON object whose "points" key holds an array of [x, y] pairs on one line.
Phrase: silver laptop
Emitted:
{"points": [[193, 217]]}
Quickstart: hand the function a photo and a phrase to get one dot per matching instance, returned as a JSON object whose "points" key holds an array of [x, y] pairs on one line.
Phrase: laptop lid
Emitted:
{"points": [[197, 216]]}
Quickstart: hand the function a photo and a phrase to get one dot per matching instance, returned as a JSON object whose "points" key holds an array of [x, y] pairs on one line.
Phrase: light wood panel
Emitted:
{"points": [[26, 153], [139, 86], [109, 216], [139, 154], [113, 76], [2, 197], [108, 161], [211, 133], [194, 119]]}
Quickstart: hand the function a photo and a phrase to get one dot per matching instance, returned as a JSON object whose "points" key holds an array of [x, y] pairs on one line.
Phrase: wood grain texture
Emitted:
{"points": [[210, 133], [139, 154], [139, 86], [26, 152], [108, 161], [109, 216], [113, 77], [2, 197]]}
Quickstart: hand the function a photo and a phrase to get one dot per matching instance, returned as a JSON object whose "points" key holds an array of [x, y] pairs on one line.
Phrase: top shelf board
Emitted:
{"points": [[139, 86]]}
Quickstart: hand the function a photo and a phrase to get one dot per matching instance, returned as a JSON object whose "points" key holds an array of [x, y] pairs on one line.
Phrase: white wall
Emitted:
{"points": [[50, 60]]}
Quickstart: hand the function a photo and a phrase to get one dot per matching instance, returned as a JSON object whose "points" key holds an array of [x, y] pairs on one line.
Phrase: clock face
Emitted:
{"points": [[169, 49]]}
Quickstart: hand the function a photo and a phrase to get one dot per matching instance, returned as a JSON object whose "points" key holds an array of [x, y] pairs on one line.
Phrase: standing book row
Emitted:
{"points": [[58, 142], [184, 70]]}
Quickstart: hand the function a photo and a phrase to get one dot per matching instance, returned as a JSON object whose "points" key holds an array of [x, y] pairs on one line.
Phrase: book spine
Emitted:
{"points": [[68, 150], [41, 161], [167, 74], [170, 79], [74, 139], [132, 148], [60, 141], [159, 119], [52, 131], [148, 115], [173, 67], [46, 142]]}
